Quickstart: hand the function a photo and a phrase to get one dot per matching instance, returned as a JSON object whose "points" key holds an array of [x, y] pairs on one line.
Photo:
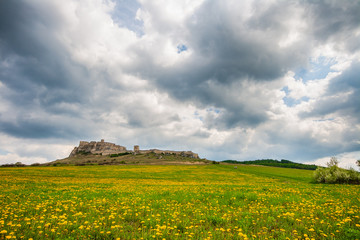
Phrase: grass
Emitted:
{"points": [[174, 202]]}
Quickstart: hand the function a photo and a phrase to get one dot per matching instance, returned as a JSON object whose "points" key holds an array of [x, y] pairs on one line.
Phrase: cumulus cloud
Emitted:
{"points": [[240, 80]]}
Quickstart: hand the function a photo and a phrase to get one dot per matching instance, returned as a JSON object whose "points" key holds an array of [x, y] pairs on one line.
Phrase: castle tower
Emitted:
{"points": [[136, 149]]}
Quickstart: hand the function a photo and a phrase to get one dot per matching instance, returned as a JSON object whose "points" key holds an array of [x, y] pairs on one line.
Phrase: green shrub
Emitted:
{"points": [[119, 154], [335, 174]]}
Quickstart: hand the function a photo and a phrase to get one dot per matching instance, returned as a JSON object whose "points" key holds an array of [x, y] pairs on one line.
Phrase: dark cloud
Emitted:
{"points": [[139, 117], [32, 55], [335, 21], [308, 145], [37, 70], [225, 52], [38, 128]]}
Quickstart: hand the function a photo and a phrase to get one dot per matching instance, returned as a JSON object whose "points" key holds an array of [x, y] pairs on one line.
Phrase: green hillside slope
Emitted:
{"points": [[274, 163], [127, 158]]}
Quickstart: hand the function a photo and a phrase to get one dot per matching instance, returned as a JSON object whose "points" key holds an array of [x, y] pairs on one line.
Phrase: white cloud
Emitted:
{"points": [[32, 151]]}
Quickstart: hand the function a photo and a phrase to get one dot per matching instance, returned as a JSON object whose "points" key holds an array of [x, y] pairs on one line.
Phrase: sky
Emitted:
{"points": [[226, 79]]}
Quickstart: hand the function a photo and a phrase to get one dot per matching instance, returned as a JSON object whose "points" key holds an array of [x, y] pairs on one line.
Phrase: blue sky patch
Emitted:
{"points": [[124, 15], [291, 102], [318, 69], [181, 48]]}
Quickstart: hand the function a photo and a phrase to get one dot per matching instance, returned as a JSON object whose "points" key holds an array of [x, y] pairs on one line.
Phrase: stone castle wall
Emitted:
{"points": [[102, 147], [168, 152]]}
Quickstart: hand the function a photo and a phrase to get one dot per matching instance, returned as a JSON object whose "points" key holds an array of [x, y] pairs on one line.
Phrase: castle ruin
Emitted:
{"points": [[101, 148], [106, 148]]}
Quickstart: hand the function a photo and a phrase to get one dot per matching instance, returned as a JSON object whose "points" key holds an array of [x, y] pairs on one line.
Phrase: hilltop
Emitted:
{"points": [[274, 163], [105, 153]]}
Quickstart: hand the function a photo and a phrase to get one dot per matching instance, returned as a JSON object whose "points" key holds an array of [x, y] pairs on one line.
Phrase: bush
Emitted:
{"points": [[119, 154], [335, 174]]}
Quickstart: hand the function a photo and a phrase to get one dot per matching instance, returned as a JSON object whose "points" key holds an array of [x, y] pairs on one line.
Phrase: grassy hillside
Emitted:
{"points": [[275, 163], [127, 158], [174, 202]]}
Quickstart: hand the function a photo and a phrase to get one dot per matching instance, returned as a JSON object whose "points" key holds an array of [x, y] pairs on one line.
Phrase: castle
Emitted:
{"points": [[106, 148]]}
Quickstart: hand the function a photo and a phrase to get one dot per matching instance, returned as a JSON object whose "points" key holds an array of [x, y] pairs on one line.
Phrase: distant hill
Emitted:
{"points": [[149, 158], [274, 163]]}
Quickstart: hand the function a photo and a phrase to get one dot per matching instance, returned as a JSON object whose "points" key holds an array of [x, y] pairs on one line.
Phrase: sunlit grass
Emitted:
{"points": [[174, 202]]}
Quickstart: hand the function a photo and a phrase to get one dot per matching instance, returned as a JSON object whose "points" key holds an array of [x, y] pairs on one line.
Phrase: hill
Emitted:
{"points": [[274, 163], [106, 153], [150, 158]]}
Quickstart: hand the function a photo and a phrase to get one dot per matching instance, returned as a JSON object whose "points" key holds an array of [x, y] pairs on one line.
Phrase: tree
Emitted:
{"points": [[333, 162], [335, 174], [358, 162]]}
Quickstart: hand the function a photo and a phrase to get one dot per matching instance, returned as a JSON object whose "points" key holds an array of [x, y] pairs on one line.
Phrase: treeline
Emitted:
{"points": [[19, 164], [274, 163]]}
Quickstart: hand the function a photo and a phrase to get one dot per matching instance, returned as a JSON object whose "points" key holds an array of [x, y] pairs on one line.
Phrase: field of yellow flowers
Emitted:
{"points": [[174, 202]]}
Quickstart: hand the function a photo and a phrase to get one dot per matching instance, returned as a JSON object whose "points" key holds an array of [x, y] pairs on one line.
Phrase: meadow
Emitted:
{"points": [[174, 202]]}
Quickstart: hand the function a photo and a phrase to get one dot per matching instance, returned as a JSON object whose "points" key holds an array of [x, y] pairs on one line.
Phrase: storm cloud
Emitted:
{"points": [[239, 80]]}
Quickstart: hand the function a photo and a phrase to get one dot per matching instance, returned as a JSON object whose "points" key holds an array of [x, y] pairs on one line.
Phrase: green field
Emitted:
{"points": [[174, 202]]}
